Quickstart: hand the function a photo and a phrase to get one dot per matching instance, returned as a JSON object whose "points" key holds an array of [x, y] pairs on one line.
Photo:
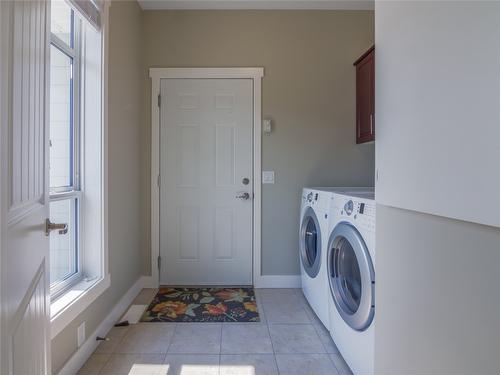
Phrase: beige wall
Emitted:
{"points": [[308, 91], [126, 158]]}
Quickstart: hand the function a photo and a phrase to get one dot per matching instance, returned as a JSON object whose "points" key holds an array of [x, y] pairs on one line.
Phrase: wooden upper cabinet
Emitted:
{"points": [[365, 97]]}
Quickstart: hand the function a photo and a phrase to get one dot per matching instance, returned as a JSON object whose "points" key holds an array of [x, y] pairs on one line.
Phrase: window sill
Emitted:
{"points": [[74, 301]]}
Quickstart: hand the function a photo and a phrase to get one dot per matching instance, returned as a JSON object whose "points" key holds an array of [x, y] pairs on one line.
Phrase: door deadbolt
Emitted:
{"points": [[245, 181]]}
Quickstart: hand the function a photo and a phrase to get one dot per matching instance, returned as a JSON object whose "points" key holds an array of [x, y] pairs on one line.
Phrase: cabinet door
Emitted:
{"points": [[365, 98]]}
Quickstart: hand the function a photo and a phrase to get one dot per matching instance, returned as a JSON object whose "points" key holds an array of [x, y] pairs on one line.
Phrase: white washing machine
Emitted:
{"points": [[351, 277], [313, 237]]}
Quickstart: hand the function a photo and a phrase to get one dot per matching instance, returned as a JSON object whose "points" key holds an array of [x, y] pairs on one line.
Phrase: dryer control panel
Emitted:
{"points": [[363, 208], [360, 212]]}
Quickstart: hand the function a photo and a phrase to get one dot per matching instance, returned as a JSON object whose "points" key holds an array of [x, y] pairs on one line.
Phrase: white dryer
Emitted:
{"points": [[313, 237], [351, 276], [313, 245]]}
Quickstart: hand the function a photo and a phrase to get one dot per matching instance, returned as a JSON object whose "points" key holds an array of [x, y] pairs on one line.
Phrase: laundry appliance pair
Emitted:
{"points": [[337, 257]]}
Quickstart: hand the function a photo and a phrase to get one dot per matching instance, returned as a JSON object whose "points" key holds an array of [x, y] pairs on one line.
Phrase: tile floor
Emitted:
{"points": [[289, 340]]}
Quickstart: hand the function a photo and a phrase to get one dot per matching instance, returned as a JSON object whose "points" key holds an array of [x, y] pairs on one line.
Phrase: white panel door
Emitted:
{"points": [[25, 299], [206, 181]]}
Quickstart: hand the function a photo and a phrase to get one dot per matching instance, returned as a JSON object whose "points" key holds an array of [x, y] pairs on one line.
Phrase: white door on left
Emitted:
{"points": [[25, 295]]}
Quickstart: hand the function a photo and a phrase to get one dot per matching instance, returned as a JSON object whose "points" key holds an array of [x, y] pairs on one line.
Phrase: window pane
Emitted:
{"points": [[63, 249], [61, 118], [61, 21]]}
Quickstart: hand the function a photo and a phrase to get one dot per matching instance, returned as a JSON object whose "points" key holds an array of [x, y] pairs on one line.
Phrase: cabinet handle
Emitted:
{"points": [[371, 123]]}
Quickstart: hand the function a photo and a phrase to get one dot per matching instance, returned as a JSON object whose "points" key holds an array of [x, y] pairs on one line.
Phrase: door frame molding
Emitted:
{"points": [[255, 74]]}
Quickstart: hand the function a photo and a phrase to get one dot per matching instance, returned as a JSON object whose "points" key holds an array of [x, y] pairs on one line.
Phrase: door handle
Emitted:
{"points": [[371, 123], [244, 196], [49, 227]]}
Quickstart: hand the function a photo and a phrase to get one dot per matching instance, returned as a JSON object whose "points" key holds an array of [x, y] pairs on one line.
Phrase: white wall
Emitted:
{"points": [[438, 295], [438, 108], [437, 152]]}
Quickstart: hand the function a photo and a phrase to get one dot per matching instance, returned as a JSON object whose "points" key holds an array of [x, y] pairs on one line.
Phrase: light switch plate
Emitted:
{"points": [[268, 177], [266, 126]]}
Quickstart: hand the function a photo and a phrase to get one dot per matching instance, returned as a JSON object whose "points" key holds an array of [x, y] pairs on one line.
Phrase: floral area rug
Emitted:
{"points": [[203, 305]]}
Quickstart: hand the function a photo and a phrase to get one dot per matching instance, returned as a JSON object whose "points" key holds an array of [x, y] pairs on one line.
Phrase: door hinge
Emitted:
{"points": [[159, 262], [159, 100], [158, 180]]}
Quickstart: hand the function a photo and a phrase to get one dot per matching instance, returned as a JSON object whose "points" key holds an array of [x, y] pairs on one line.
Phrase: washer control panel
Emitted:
{"points": [[312, 197], [317, 198], [348, 207]]}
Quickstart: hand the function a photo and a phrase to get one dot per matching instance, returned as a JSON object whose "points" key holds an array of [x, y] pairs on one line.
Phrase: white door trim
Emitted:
{"points": [[157, 74]]}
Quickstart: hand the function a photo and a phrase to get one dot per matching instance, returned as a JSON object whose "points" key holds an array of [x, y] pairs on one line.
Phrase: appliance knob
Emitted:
{"points": [[348, 207]]}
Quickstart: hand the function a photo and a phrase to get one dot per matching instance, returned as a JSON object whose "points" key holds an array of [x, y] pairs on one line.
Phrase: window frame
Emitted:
{"points": [[73, 190], [70, 304]]}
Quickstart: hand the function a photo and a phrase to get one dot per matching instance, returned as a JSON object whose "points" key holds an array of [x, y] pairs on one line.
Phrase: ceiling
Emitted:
{"points": [[258, 4]]}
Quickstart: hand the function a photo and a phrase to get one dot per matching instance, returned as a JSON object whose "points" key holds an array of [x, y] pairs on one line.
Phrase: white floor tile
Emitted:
{"points": [[244, 339], [295, 338], [301, 364], [200, 338], [192, 364], [248, 364]]}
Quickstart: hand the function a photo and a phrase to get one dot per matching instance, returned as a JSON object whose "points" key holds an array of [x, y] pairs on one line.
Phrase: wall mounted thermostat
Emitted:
{"points": [[267, 126]]}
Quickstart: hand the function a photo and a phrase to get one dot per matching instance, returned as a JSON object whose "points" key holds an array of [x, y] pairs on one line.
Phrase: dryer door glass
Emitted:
{"points": [[310, 243], [351, 276]]}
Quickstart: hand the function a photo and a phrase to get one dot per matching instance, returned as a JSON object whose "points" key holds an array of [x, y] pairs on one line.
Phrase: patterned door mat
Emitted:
{"points": [[203, 305]]}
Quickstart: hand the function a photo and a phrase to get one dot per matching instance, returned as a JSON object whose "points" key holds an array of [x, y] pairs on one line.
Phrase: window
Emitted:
{"points": [[77, 179], [76, 139], [65, 190]]}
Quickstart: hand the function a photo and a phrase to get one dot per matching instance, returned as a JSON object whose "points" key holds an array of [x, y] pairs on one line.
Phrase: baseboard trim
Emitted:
{"points": [[149, 282], [278, 281], [78, 359], [263, 281]]}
